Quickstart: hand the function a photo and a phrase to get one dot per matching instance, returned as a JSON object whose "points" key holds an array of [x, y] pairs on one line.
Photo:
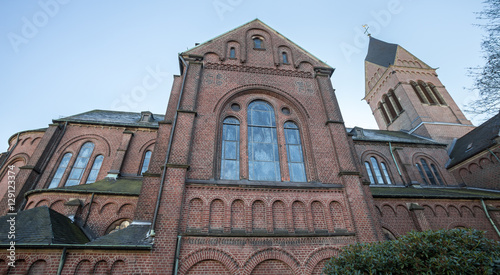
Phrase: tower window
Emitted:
{"points": [[285, 57], [427, 93], [436, 93], [232, 53], [384, 113]]}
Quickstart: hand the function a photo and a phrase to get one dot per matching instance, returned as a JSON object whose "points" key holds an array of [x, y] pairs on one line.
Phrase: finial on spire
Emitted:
{"points": [[366, 27]]}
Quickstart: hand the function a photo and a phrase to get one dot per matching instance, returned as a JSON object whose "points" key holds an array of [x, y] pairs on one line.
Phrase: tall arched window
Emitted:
{"points": [[294, 153], [391, 109], [377, 172], [369, 171], [232, 53], [397, 105], [145, 162], [230, 157], [418, 92], [60, 170], [384, 114], [429, 97], [436, 93], [80, 164], [263, 155], [96, 167]]}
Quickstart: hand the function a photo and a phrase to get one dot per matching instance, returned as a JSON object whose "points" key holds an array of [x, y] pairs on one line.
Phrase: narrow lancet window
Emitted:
{"points": [[230, 157], [294, 153]]}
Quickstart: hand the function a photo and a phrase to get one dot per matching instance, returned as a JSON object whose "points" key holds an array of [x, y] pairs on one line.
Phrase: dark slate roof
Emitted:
{"points": [[105, 117], [381, 53], [360, 134], [433, 192], [122, 186], [41, 226], [129, 236], [481, 138]]}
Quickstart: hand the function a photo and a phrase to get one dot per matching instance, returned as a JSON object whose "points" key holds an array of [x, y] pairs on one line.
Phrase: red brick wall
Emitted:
{"points": [[481, 171], [396, 217]]}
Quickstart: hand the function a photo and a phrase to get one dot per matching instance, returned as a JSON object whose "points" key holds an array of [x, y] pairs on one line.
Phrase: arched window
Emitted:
{"points": [[258, 42], [436, 93], [429, 173], [377, 172], [232, 53], [386, 173], [294, 153], [384, 114], [263, 156], [421, 172], [397, 105], [418, 92], [230, 157], [80, 164], [60, 170], [96, 167], [285, 57], [388, 103], [429, 97], [370, 174], [145, 162]]}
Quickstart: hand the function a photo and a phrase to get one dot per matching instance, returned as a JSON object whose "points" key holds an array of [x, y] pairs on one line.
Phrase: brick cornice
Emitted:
{"points": [[257, 70]]}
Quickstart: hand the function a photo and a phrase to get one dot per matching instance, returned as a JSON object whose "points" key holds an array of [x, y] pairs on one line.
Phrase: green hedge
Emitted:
{"points": [[456, 251]]}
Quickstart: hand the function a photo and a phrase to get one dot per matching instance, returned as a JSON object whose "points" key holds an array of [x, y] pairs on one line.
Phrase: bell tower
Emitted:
{"points": [[405, 94]]}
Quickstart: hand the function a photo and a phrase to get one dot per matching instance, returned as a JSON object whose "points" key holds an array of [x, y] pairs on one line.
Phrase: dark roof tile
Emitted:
{"points": [[106, 117], [42, 225], [476, 141]]}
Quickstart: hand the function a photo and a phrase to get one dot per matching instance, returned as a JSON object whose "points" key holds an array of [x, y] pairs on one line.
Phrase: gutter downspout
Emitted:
{"points": [[10, 152], [489, 217], [491, 152], [177, 252], [151, 232], [397, 166], [62, 261]]}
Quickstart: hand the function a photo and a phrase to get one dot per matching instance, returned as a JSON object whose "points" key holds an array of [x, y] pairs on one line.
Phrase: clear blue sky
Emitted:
{"points": [[61, 57]]}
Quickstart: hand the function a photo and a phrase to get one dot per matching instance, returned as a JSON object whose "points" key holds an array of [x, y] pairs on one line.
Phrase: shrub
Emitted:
{"points": [[456, 251]]}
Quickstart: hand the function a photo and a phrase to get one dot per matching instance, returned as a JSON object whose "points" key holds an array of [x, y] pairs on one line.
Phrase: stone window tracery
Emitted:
{"points": [[428, 172], [264, 139]]}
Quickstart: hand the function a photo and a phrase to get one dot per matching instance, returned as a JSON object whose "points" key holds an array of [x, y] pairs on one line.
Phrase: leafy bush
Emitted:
{"points": [[456, 251]]}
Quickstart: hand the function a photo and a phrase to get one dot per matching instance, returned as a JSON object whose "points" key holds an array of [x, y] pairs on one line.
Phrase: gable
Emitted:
{"points": [[241, 38]]}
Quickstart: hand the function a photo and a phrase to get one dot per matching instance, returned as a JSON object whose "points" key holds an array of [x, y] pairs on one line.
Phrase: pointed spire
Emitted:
{"points": [[381, 53]]}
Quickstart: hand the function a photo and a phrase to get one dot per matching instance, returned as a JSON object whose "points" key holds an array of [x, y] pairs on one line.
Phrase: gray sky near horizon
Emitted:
{"points": [[61, 57]]}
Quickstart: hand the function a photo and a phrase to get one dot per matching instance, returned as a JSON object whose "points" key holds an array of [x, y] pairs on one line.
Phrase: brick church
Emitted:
{"points": [[249, 171]]}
